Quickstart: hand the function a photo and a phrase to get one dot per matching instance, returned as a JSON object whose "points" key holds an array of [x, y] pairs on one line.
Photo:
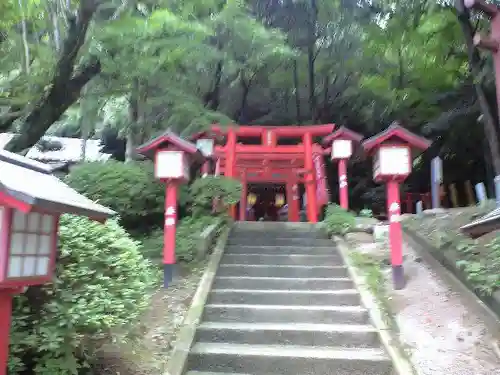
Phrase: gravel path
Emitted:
{"points": [[158, 329], [442, 335]]}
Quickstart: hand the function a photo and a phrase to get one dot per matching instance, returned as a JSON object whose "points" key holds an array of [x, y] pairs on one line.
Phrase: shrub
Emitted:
{"points": [[102, 284], [128, 188], [337, 220], [188, 233], [204, 190], [366, 212]]}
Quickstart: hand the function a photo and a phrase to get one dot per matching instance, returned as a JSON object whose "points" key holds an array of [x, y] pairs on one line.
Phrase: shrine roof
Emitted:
{"points": [[27, 184], [396, 131], [342, 133], [168, 137]]}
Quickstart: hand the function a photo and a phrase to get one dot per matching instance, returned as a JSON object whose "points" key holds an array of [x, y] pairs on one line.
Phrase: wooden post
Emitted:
{"points": [[471, 200], [454, 196]]}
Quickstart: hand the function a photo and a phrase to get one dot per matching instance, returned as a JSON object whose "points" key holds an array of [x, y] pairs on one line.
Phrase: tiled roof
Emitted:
{"points": [[32, 183], [70, 152]]}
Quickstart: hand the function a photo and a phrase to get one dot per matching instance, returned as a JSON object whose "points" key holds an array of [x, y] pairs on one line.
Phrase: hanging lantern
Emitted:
{"points": [[280, 200], [251, 199]]}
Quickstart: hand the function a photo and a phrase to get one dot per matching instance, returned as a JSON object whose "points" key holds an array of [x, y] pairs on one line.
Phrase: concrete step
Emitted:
{"points": [[347, 297], [276, 359], [282, 283], [283, 259], [254, 249], [342, 335], [285, 314], [241, 233], [264, 270], [213, 373], [271, 240]]}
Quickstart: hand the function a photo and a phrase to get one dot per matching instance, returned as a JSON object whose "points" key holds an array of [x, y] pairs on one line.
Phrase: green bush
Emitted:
{"points": [[128, 188], [188, 233], [204, 190], [101, 287], [337, 220]]}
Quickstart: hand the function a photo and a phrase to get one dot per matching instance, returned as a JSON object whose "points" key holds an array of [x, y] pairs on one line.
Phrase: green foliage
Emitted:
{"points": [[128, 188], [337, 220], [204, 190], [366, 212], [102, 285], [482, 267], [188, 233]]}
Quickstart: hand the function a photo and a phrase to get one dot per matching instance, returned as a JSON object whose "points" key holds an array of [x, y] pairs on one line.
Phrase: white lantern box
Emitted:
{"points": [[171, 165], [392, 161], [28, 249], [341, 149]]}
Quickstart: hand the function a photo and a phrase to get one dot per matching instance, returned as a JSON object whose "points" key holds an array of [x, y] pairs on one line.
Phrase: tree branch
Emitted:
{"points": [[66, 83]]}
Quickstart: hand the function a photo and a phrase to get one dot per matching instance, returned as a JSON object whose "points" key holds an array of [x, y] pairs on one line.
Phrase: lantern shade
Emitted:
{"points": [[392, 161], [30, 247], [341, 149], [171, 165]]}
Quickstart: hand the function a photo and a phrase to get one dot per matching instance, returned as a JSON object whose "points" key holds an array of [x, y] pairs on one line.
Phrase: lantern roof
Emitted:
{"points": [[166, 139], [396, 133], [342, 133], [27, 184], [210, 134]]}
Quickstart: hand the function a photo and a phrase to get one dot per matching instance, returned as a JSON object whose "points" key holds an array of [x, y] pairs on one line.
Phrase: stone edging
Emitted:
{"points": [[444, 264], [401, 363], [206, 239], [187, 332]]}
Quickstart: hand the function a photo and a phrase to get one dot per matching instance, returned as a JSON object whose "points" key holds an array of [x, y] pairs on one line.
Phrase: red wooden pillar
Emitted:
{"points": [[395, 233], [343, 188], [243, 199], [292, 199], [169, 232], [310, 180], [231, 163]]}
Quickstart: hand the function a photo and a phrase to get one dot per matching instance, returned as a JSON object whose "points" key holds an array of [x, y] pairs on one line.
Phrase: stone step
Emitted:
{"points": [[276, 359], [282, 283], [241, 233], [254, 249], [285, 314], [346, 297], [342, 335], [283, 259], [264, 270], [213, 373], [271, 240]]}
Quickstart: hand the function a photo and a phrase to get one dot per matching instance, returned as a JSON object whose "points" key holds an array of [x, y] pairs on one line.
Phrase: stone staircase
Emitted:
{"points": [[282, 303]]}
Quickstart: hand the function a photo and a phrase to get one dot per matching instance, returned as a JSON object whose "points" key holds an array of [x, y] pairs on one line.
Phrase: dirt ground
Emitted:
{"points": [[437, 330], [150, 351]]}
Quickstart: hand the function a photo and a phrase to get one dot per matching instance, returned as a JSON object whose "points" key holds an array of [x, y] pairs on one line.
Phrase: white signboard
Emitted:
{"points": [[394, 161], [171, 165], [341, 149]]}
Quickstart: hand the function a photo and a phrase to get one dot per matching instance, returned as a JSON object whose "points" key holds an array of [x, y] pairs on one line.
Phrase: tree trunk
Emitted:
{"points": [[311, 57], [66, 84], [212, 98], [297, 93], [134, 119], [489, 122]]}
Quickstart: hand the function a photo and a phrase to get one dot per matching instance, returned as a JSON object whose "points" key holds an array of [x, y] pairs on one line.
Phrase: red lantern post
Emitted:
{"points": [[31, 201], [172, 157], [392, 152], [342, 142]]}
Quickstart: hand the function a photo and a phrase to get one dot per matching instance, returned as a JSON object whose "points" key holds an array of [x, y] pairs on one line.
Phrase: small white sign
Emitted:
{"points": [[169, 221], [170, 211], [394, 207], [394, 160], [341, 149]]}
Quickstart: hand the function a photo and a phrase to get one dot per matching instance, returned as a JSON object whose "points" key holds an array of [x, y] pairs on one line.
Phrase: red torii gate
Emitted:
{"points": [[270, 161]]}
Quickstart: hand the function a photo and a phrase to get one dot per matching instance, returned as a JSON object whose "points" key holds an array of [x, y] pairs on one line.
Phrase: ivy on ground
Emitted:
{"points": [[337, 220]]}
